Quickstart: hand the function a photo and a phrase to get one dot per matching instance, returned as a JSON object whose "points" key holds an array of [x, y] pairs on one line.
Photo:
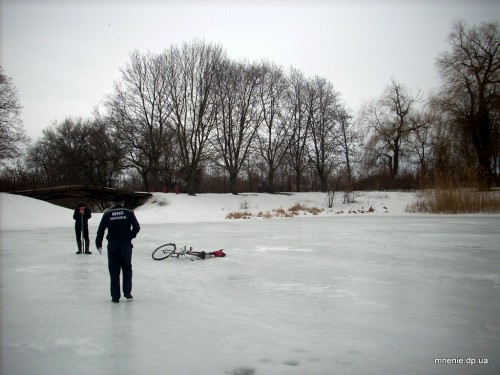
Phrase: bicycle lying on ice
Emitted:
{"points": [[170, 250]]}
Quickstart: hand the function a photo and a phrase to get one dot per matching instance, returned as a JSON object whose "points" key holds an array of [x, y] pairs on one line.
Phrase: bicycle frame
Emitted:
{"points": [[169, 250]]}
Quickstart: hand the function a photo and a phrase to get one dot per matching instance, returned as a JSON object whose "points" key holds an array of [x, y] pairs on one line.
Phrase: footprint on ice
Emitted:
{"points": [[291, 362], [344, 361], [243, 371]]}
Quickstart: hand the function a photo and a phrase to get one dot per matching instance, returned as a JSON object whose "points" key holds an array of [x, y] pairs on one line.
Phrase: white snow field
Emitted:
{"points": [[386, 292]]}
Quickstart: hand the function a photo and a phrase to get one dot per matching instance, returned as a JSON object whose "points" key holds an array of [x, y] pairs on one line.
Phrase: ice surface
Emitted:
{"points": [[381, 293]]}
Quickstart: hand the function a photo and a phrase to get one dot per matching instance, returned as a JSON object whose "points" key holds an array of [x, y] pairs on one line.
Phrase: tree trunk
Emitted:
{"points": [[484, 152], [233, 179], [191, 181], [270, 181], [298, 179]]}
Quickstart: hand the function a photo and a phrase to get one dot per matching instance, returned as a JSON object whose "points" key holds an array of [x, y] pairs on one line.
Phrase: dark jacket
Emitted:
{"points": [[121, 224], [78, 218]]}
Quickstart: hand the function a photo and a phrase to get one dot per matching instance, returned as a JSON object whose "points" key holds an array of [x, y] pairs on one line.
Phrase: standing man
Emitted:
{"points": [[82, 215], [122, 227]]}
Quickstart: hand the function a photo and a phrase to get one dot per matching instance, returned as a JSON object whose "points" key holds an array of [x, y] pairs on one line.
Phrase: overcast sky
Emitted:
{"points": [[64, 56]]}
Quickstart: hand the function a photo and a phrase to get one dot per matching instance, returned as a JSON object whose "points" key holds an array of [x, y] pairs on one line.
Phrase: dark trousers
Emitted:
{"points": [[120, 259], [78, 232]]}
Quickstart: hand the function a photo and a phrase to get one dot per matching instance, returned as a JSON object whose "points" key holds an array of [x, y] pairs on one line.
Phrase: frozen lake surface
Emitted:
{"points": [[309, 295]]}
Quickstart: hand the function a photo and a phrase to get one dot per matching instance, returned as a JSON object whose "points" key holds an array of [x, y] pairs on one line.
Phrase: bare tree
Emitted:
{"points": [[139, 111], [12, 134], [297, 105], [349, 141], [275, 133], [323, 145], [238, 116], [40, 162], [103, 156], [192, 72], [76, 151], [471, 90], [448, 156], [389, 125], [419, 142]]}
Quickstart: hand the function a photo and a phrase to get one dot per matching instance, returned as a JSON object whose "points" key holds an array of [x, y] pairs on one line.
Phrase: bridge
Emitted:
{"points": [[67, 195]]}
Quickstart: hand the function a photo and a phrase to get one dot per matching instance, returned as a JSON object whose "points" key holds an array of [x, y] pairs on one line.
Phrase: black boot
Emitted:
{"points": [[79, 243], [87, 245]]}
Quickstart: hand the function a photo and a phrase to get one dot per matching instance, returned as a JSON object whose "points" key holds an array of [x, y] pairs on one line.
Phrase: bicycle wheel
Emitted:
{"points": [[164, 251]]}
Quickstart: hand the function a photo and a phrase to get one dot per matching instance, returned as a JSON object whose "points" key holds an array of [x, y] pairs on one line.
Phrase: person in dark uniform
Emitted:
{"points": [[82, 215], [122, 226]]}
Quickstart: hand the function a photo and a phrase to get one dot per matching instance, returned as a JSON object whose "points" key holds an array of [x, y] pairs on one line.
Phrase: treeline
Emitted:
{"points": [[194, 119]]}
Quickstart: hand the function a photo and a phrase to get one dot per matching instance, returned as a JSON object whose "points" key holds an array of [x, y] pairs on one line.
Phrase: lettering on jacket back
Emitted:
{"points": [[118, 215]]}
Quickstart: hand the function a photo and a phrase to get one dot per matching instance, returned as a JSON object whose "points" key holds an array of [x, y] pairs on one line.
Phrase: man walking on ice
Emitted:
{"points": [[122, 226]]}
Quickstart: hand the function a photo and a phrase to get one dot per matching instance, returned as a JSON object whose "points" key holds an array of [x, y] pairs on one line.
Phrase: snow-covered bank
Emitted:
{"points": [[17, 212], [171, 208]]}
